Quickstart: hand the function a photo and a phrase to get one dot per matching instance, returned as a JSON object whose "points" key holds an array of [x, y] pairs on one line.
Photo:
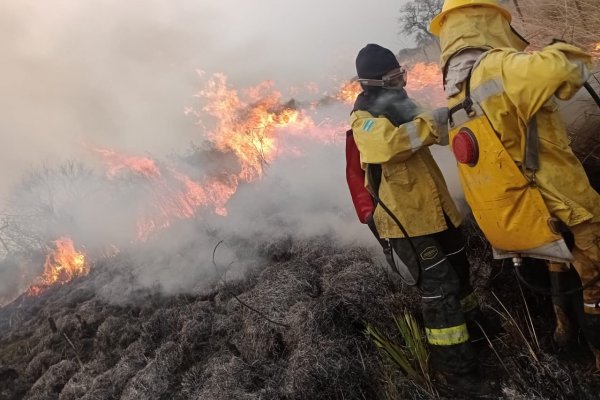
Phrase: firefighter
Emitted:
{"points": [[498, 90], [393, 136]]}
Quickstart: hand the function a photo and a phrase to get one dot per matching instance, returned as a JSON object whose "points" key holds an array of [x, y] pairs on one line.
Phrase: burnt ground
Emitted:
{"points": [[71, 343]]}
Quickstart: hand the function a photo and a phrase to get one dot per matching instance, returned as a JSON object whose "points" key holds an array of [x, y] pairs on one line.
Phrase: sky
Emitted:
{"points": [[119, 73]]}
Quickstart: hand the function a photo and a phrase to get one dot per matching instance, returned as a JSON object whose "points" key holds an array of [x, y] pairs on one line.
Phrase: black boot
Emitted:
{"points": [[591, 331], [482, 326], [562, 282]]}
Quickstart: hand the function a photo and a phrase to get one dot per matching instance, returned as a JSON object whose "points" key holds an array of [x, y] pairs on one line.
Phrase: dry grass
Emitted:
{"points": [[575, 21], [212, 347]]}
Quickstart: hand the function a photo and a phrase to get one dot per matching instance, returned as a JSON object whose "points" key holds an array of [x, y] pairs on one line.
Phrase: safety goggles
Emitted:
{"points": [[388, 80]]}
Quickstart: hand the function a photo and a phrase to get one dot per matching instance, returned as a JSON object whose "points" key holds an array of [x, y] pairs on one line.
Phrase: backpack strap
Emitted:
{"points": [[531, 160], [466, 104]]}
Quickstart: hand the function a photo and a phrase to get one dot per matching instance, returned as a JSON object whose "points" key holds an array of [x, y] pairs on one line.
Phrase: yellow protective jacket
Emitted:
{"points": [[513, 87], [412, 186]]}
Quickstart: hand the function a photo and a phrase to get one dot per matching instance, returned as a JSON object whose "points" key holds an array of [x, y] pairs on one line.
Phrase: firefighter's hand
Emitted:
{"points": [[440, 115]]}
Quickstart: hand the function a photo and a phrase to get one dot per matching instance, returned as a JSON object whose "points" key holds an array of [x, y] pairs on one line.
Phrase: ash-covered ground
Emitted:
{"points": [[291, 327]]}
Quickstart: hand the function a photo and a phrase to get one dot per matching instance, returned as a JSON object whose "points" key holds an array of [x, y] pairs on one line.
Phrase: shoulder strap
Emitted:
{"points": [[466, 104], [531, 160]]}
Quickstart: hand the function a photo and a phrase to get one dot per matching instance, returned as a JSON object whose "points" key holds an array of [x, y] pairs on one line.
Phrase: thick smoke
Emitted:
{"points": [[119, 75]]}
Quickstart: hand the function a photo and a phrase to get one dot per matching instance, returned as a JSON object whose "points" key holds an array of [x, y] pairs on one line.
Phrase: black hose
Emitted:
{"points": [[406, 236], [546, 292], [592, 93]]}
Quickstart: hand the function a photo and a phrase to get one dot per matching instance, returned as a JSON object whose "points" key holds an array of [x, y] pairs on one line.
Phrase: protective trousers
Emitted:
{"points": [[585, 304], [445, 289], [587, 263]]}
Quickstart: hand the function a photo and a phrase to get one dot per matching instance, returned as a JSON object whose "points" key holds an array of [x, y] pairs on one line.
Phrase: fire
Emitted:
{"points": [[255, 125], [116, 162], [172, 195], [181, 197], [248, 127], [348, 91], [425, 84], [62, 265]]}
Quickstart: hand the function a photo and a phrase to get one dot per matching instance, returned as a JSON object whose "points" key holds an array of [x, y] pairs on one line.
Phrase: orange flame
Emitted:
{"points": [[181, 199], [253, 125], [248, 128], [116, 162], [425, 84], [62, 265], [249, 125], [348, 91]]}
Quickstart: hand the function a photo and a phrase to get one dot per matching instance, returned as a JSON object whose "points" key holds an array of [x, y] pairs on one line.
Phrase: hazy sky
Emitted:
{"points": [[120, 72]]}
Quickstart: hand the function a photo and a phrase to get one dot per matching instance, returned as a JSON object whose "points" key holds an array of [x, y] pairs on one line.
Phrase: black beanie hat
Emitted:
{"points": [[374, 61]]}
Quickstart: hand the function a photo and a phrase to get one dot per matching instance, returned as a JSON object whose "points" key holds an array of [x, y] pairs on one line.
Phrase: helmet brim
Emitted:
{"points": [[435, 26]]}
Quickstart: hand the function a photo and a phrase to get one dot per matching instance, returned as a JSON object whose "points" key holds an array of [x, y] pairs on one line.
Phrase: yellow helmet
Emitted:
{"points": [[449, 5]]}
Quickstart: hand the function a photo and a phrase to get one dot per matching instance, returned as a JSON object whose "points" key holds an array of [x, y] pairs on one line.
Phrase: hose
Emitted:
{"points": [[406, 236], [592, 93], [546, 292]]}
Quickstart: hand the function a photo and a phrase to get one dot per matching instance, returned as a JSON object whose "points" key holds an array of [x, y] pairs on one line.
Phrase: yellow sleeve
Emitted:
{"points": [[379, 141], [531, 79]]}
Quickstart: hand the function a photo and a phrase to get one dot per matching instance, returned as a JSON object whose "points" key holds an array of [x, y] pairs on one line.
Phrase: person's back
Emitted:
{"points": [[489, 77]]}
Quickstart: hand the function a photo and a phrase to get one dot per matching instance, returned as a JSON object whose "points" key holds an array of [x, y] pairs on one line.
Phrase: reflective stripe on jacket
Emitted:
{"points": [[412, 186]]}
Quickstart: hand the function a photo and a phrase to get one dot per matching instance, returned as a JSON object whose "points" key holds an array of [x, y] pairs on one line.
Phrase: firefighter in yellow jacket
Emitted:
{"points": [[393, 136], [499, 93]]}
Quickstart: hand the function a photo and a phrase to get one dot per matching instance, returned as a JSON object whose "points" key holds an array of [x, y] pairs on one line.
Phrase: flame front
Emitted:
{"points": [[249, 125], [348, 91], [62, 265], [116, 162], [425, 84], [248, 128], [254, 125]]}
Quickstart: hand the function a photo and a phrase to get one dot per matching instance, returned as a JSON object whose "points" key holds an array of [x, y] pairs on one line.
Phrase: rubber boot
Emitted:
{"points": [[596, 356], [564, 331], [561, 281], [591, 330]]}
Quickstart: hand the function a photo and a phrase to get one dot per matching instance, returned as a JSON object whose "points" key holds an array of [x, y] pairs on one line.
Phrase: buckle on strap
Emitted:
{"points": [[467, 105]]}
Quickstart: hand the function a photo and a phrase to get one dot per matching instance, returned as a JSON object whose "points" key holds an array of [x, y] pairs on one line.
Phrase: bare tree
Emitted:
{"points": [[415, 17], [44, 203]]}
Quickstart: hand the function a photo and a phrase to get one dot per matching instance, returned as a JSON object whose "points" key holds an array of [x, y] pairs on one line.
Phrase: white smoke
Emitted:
{"points": [[120, 74]]}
